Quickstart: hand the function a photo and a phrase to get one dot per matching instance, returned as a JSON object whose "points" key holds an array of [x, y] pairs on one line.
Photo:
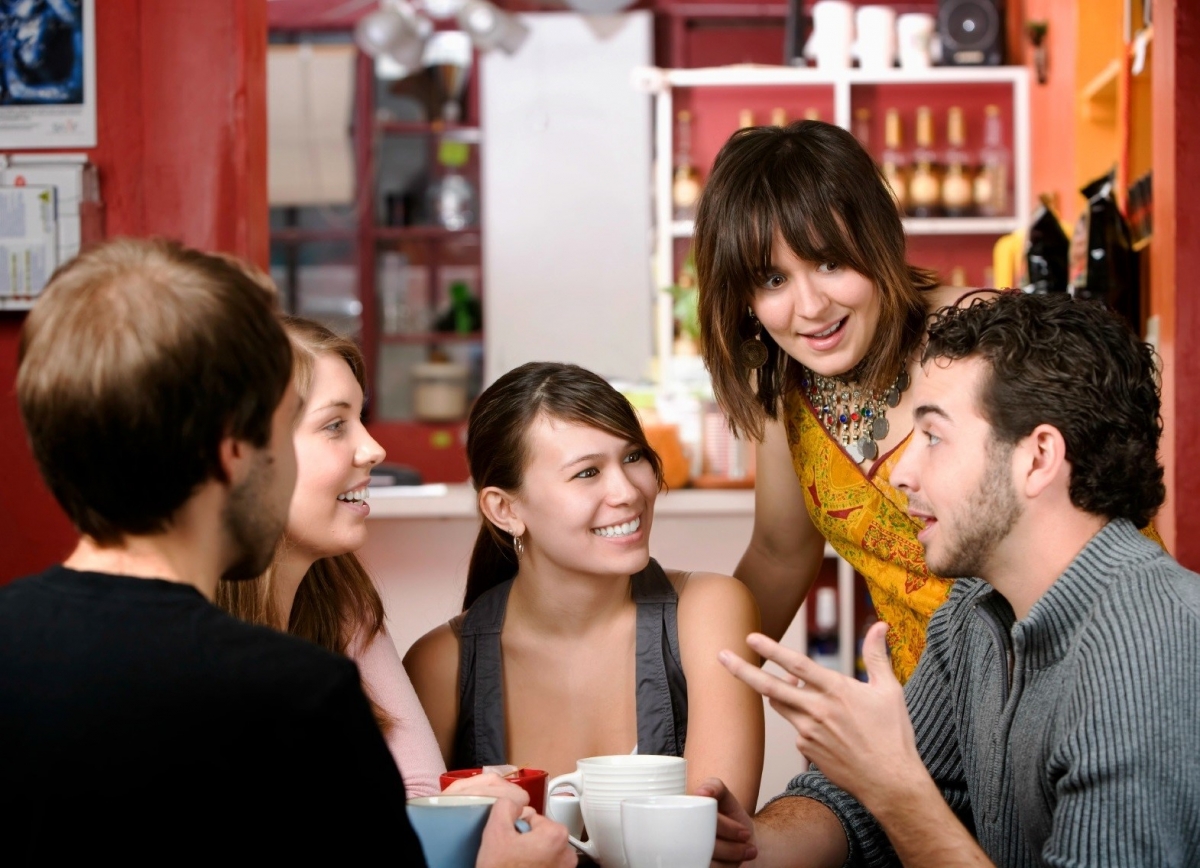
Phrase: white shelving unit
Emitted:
{"points": [[662, 83]]}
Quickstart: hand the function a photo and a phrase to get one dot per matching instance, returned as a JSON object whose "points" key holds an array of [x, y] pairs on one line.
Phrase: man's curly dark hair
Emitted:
{"points": [[1077, 366]]}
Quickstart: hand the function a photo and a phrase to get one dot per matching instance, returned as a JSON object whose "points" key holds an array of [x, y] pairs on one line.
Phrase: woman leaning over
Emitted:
{"points": [[810, 319], [574, 642]]}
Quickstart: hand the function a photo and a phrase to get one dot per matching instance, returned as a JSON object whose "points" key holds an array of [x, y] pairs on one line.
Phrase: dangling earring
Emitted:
{"points": [[753, 351], [518, 546]]}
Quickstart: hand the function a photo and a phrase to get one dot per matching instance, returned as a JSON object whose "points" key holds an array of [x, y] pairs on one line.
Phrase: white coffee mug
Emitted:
{"points": [[875, 41], [832, 39], [603, 782], [916, 40], [563, 807], [675, 831]]}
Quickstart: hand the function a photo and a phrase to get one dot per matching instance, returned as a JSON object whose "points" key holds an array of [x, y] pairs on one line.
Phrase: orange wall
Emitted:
{"points": [[1053, 107], [181, 118]]}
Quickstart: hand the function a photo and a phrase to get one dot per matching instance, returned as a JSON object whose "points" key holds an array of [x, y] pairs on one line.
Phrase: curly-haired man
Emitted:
{"points": [[1053, 719]]}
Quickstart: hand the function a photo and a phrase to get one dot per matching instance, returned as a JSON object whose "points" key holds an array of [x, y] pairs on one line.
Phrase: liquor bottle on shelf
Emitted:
{"points": [[685, 188], [862, 127], [957, 192], [812, 114], [823, 641], [924, 185], [991, 182], [745, 119], [451, 199], [895, 162], [778, 117]]}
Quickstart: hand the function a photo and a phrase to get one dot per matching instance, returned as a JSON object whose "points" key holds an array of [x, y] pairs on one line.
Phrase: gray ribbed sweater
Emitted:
{"points": [[1071, 737]]}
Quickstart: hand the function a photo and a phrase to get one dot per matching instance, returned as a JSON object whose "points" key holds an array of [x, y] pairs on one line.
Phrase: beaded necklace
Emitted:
{"points": [[854, 417]]}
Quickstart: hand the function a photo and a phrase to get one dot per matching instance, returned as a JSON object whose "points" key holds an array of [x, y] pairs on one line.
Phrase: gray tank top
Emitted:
{"points": [[661, 687]]}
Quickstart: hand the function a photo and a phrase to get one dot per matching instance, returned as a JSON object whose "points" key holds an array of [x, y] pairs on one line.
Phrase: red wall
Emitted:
{"points": [[1175, 262], [181, 118]]}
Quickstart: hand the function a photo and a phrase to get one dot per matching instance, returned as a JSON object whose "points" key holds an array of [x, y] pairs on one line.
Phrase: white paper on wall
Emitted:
{"points": [[28, 240], [70, 176], [310, 100]]}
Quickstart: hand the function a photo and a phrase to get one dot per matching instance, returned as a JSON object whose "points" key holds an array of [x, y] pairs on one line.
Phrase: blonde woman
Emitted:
{"points": [[316, 588]]}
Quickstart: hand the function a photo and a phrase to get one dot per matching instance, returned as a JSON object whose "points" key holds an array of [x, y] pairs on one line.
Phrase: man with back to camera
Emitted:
{"points": [[1054, 717], [139, 720]]}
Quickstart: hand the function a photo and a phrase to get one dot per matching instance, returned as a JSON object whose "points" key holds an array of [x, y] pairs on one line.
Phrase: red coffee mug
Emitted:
{"points": [[532, 781]]}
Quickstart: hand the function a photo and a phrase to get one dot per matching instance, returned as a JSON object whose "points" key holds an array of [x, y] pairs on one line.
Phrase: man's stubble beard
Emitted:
{"points": [[989, 515], [255, 532]]}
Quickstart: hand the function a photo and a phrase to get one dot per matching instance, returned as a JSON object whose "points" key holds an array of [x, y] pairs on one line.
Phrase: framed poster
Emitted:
{"points": [[47, 74]]}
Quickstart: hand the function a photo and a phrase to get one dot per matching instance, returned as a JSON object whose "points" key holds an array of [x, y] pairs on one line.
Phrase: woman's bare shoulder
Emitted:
{"points": [[435, 648], [709, 590]]}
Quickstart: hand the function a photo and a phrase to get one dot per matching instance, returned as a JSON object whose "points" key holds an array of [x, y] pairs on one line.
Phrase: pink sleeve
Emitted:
{"points": [[411, 739]]}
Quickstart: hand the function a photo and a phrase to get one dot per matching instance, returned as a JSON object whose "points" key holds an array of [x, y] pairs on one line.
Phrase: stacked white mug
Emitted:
{"points": [[832, 39], [917, 40], [603, 782], [875, 42]]}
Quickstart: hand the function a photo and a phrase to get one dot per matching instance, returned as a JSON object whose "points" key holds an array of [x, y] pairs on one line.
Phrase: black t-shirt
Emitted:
{"points": [[138, 720]]}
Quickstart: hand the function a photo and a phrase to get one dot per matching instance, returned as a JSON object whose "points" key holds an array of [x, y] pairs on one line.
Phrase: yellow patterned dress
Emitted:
{"points": [[866, 521]]}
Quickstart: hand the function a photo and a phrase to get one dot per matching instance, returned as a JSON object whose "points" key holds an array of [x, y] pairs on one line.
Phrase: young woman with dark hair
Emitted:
{"points": [[316, 587], [812, 322], [574, 642]]}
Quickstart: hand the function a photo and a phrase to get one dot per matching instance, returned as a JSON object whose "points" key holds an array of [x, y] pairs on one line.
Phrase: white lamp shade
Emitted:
{"points": [[490, 27], [377, 32]]}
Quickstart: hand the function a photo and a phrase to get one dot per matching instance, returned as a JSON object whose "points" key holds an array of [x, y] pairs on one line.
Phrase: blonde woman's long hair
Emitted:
{"points": [[336, 605]]}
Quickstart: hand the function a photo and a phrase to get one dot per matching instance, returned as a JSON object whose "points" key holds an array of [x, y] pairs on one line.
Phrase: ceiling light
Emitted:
{"points": [[441, 9], [448, 57], [395, 32], [489, 27]]}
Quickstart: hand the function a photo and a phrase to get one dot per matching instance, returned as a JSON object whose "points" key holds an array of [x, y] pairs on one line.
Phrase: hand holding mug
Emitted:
{"points": [[543, 846], [488, 784], [735, 829]]}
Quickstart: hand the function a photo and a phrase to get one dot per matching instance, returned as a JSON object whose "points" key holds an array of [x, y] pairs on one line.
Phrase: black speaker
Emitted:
{"points": [[972, 32], [796, 27]]}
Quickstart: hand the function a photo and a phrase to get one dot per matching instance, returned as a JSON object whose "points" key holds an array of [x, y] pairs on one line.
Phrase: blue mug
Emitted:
{"points": [[450, 828]]}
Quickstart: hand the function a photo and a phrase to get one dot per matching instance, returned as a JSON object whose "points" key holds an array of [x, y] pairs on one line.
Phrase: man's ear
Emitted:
{"points": [[1043, 460], [235, 458], [499, 507]]}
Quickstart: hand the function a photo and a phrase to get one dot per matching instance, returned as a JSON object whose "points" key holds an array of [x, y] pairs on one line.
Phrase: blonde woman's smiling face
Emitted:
{"points": [[334, 457]]}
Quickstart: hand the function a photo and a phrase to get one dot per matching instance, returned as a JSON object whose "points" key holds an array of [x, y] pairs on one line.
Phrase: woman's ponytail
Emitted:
{"points": [[492, 564]]}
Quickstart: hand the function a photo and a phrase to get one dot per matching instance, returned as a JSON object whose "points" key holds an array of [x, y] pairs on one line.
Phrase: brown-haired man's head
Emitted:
{"points": [[140, 358]]}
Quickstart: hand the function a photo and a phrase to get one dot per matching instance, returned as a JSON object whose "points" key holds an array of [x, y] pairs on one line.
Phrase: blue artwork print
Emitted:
{"points": [[41, 52]]}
